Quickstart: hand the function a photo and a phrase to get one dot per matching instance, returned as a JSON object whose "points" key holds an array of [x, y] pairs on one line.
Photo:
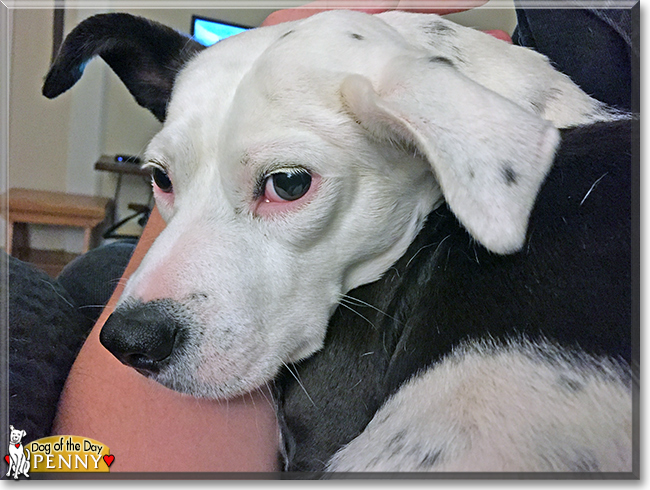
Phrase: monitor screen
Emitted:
{"points": [[209, 31]]}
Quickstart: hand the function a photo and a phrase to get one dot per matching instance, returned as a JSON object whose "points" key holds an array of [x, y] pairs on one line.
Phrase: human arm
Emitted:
{"points": [[440, 7]]}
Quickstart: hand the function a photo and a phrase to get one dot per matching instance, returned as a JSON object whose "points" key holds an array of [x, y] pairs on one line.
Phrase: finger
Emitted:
{"points": [[499, 34], [440, 7]]}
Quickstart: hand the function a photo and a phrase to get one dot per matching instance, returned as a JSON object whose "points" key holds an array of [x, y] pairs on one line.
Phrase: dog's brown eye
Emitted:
{"points": [[162, 180], [288, 186]]}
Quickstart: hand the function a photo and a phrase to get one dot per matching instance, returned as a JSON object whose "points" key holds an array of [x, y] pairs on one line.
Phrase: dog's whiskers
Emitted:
{"points": [[427, 246], [356, 312], [250, 394], [342, 303], [295, 375], [592, 188], [120, 282], [252, 397], [268, 396], [359, 302], [56, 292]]}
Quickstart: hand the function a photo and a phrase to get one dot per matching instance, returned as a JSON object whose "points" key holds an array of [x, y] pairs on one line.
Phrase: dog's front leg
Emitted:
{"points": [[487, 408], [16, 463]]}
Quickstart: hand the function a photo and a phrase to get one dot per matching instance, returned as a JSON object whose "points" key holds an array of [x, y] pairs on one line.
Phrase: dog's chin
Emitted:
{"points": [[215, 384], [212, 389]]}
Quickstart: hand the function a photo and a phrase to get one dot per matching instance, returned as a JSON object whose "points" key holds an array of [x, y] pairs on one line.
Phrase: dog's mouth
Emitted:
{"points": [[164, 341]]}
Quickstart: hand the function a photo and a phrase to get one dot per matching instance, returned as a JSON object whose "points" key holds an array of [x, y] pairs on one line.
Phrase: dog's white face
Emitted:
{"points": [[16, 436], [258, 274], [302, 160]]}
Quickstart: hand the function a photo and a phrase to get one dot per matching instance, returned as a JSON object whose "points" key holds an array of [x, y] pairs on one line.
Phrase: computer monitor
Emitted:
{"points": [[209, 31]]}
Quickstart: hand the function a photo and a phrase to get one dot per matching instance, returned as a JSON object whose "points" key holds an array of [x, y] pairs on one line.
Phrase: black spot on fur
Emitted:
{"points": [[286, 34], [198, 297], [397, 442], [585, 461], [384, 418], [438, 29], [358, 37], [538, 107], [430, 458], [554, 94], [509, 175], [373, 463], [441, 59], [569, 384]]}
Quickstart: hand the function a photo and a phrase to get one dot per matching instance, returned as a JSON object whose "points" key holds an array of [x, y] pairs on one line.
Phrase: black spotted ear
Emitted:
{"points": [[489, 155], [145, 55]]}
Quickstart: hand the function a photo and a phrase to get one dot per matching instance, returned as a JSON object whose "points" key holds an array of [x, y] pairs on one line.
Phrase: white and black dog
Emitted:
{"points": [[18, 454], [391, 210]]}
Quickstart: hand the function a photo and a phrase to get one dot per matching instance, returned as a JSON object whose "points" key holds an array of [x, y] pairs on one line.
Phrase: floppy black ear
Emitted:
{"points": [[145, 55]]}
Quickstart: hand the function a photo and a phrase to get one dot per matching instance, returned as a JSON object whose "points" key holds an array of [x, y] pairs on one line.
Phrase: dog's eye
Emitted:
{"points": [[287, 185], [162, 180]]}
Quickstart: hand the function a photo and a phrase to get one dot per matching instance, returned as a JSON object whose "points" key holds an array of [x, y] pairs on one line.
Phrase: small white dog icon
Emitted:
{"points": [[19, 461]]}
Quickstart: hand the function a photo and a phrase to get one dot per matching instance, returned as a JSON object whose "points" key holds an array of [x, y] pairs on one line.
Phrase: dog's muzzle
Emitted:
{"points": [[144, 335]]}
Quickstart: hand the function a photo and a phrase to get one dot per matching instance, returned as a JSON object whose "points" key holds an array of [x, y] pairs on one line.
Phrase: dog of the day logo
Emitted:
{"points": [[56, 454]]}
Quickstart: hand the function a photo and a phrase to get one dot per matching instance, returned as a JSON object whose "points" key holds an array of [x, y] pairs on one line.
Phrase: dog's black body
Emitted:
{"points": [[571, 284]]}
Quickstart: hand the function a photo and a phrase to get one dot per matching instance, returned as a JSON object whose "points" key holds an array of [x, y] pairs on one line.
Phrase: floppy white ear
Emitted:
{"points": [[489, 155]]}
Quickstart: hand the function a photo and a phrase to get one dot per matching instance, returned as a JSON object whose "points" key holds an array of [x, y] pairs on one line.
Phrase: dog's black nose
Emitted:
{"points": [[143, 335]]}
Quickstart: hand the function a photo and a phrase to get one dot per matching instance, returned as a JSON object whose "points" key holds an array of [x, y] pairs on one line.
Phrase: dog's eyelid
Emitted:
{"points": [[284, 167], [289, 170], [156, 164]]}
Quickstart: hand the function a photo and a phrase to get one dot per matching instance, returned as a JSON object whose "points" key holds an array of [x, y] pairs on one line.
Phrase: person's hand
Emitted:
{"points": [[440, 7]]}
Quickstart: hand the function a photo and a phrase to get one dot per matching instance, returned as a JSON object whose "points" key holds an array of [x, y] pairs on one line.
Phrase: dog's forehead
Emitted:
{"points": [[211, 78], [333, 41], [278, 77], [202, 95], [290, 56]]}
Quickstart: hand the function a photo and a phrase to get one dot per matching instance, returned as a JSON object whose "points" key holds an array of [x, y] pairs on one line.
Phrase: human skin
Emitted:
{"points": [[440, 7], [150, 428]]}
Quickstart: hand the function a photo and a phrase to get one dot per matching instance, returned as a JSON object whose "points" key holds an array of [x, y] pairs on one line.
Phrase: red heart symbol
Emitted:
{"points": [[108, 459], [8, 459], [18, 445]]}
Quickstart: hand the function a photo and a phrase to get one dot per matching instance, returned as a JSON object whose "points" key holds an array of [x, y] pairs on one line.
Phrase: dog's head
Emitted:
{"points": [[299, 161], [15, 435]]}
